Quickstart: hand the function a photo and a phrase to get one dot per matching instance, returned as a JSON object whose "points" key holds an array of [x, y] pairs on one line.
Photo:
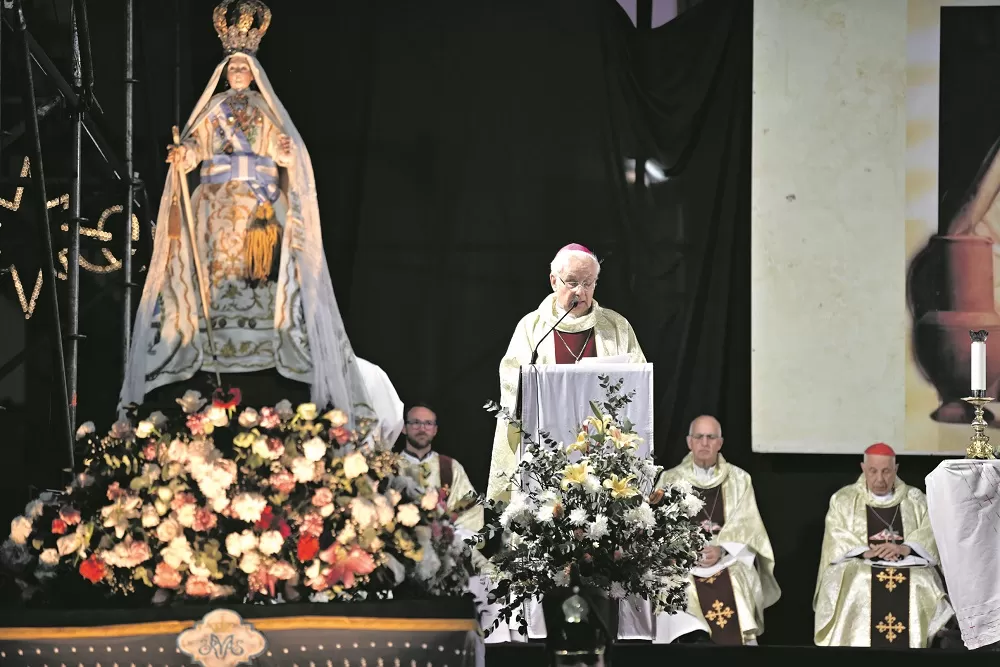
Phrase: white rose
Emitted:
{"points": [[326, 510], [248, 418], [384, 509], [315, 449], [312, 570], [177, 552], [363, 512], [248, 541], [249, 506], [307, 411], [355, 465], [217, 416], [271, 542], [430, 500], [408, 514], [185, 515], [150, 517], [250, 562], [196, 570], [86, 428], [303, 469], [260, 448], [347, 535], [144, 429], [234, 545], [68, 544], [168, 530], [20, 529], [219, 504], [49, 557], [191, 402]]}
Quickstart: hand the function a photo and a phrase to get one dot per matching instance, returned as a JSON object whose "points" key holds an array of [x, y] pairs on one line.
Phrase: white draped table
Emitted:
{"points": [[963, 500]]}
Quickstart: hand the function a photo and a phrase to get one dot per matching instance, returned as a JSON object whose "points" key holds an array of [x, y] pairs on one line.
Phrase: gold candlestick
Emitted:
{"points": [[979, 444]]}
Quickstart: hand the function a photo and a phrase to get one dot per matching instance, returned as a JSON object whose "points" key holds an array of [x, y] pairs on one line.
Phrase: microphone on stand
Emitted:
{"points": [[534, 353]]}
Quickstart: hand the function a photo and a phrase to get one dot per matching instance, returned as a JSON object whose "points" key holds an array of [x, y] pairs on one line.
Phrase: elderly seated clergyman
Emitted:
{"points": [[877, 584]]}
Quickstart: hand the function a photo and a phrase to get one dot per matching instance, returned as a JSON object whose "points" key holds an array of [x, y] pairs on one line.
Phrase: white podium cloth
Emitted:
{"points": [[963, 501], [556, 398]]}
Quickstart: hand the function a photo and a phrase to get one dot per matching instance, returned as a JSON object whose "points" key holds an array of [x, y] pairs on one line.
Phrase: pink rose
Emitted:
{"points": [[69, 515], [166, 576], [198, 587], [322, 497], [115, 491], [312, 524], [269, 418], [182, 499], [196, 425], [283, 482], [282, 570], [204, 520]]}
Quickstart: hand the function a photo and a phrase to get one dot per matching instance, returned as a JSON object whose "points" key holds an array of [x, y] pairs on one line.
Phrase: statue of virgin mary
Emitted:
{"points": [[273, 315]]}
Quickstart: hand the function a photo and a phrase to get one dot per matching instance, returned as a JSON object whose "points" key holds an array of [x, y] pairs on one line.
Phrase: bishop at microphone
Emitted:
{"points": [[567, 326]]}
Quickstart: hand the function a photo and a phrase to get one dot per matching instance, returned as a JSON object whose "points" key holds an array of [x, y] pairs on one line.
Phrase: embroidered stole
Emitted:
{"points": [[715, 593], [890, 586]]}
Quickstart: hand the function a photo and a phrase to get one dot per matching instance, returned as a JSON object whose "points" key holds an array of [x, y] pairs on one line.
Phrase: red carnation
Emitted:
{"points": [[308, 547], [266, 517], [92, 569], [58, 527]]}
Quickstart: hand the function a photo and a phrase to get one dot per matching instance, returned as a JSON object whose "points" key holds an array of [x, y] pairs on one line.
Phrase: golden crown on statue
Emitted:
{"points": [[238, 33]]}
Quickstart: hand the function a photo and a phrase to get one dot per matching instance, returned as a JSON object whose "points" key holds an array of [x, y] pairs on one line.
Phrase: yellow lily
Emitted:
{"points": [[574, 474], [600, 425], [620, 487], [582, 443], [624, 440]]}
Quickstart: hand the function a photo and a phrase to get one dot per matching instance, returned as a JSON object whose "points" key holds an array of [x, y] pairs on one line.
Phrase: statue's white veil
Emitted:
{"points": [[337, 379]]}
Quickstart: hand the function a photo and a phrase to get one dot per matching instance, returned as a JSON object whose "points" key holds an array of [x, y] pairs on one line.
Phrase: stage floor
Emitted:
{"points": [[533, 655]]}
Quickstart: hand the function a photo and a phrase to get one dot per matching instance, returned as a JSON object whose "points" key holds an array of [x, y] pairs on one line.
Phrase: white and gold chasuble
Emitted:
{"points": [[748, 561], [847, 583], [613, 335]]}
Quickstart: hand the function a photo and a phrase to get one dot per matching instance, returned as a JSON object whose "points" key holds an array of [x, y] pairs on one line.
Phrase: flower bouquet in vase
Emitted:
{"points": [[590, 513]]}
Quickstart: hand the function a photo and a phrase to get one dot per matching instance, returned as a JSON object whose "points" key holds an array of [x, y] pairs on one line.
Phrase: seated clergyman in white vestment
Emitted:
{"points": [[878, 584], [734, 582], [590, 330], [431, 470]]}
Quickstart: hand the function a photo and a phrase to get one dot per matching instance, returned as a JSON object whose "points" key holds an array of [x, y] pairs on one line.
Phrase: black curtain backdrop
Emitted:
{"points": [[457, 146]]}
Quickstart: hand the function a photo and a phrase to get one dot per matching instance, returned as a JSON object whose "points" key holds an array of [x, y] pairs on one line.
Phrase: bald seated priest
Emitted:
{"points": [[878, 584], [589, 330], [734, 582]]}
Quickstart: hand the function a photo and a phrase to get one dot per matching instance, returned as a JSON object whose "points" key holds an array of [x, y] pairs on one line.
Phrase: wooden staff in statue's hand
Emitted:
{"points": [[176, 155]]}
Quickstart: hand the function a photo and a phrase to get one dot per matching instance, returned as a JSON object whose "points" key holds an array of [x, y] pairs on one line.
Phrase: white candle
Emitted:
{"points": [[979, 366]]}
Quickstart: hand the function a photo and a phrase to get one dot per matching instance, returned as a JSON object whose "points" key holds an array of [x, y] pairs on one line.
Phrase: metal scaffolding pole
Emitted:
{"points": [[38, 172], [130, 177], [73, 261]]}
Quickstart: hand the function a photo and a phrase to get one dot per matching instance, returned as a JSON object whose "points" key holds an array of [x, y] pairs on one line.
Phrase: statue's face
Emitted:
{"points": [[577, 279], [238, 73]]}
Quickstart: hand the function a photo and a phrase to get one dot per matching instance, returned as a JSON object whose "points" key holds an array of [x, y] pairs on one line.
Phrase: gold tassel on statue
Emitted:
{"points": [[262, 242], [174, 220]]}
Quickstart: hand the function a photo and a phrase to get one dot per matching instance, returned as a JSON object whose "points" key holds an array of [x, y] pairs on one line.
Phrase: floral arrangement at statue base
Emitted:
{"points": [[279, 504], [590, 513]]}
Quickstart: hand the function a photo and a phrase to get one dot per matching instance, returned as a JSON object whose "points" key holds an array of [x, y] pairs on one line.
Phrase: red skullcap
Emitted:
{"points": [[577, 246], [880, 449]]}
